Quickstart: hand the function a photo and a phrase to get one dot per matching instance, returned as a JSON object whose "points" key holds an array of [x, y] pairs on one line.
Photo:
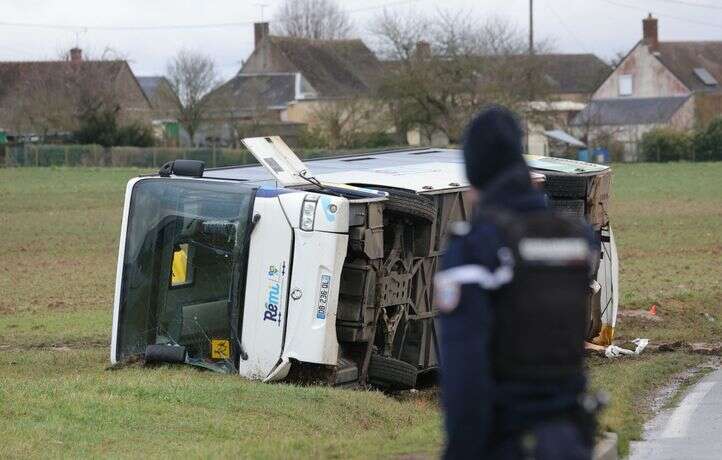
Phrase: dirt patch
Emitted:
{"points": [[638, 314], [62, 346], [133, 361], [56, 305], [670, 392], [714, 349], [702, 348]]}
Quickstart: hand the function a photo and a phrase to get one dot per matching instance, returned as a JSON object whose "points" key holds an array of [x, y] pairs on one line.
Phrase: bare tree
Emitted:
{"points": [[445, 68], [340, 121], [192, 75], [617, 59], [319, 19]]}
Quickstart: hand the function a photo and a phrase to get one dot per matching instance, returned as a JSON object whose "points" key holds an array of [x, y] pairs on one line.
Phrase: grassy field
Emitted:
{"points": [[58, 249]]}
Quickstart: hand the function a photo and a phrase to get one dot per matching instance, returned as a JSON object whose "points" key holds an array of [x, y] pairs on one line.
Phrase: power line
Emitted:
{"points": [[691, 21], [221, 25], [582, 45], [696, 5]]}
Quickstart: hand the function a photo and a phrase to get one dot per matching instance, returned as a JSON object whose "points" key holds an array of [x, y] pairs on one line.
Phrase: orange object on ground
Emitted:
{"points": [[606, 334]]}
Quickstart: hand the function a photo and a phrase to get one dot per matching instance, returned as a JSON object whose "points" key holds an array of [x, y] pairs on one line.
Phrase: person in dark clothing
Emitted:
{"points": [[490, 409]]}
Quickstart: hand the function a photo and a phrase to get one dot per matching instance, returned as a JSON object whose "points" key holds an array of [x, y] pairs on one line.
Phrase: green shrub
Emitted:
{"points": [[708, 143], [666, 145], [101, 127], [373, 140], [311, 139], [98, 128], [135, 135]]}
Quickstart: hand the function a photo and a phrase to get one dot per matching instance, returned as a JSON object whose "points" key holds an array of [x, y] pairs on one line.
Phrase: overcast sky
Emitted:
{"points": [[43, 29]]}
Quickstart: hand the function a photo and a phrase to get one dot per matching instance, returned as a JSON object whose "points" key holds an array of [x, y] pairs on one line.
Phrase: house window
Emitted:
{"points": [[706, 77], [304, 90], [625, 85]]}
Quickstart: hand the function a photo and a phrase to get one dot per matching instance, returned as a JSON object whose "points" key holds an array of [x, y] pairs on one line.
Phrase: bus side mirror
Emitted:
{"points": [[188, 168]]}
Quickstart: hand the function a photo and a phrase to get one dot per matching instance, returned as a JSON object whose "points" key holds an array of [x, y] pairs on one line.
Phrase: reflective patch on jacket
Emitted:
{"points": [[554, 251], [447, 283]]}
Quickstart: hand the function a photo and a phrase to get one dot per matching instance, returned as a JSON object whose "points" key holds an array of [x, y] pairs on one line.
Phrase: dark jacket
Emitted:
{"points": [[478, 410]]}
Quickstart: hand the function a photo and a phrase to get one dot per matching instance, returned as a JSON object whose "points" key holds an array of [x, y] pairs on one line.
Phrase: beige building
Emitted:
{"points": [[657, 84], [298, 81]]}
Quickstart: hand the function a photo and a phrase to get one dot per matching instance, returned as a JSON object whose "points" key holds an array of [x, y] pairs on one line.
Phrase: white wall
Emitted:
{"points": [[649, 77]]}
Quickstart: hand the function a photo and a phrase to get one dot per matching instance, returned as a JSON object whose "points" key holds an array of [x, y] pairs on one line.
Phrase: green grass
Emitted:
{"points": [[64, 403], [58, 249], [667, 219]]}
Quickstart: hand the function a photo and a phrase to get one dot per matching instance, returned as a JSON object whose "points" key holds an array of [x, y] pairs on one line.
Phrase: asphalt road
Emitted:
{"points": [[693, 430]]}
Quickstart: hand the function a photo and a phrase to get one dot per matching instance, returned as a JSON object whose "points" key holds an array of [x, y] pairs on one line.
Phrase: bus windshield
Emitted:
{"points": [[184, 264]]}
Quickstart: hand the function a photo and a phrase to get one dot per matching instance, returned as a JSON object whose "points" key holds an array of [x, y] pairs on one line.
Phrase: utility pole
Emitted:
{"points": [[531, 27], [530, 76], [262, 6]]}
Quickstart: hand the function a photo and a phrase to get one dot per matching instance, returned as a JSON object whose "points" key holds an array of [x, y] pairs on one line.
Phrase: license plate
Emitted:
{"points": [[323, 296]]}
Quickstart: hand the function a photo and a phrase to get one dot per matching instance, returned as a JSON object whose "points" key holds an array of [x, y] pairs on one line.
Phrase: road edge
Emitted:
{"points": [[607, 447]]}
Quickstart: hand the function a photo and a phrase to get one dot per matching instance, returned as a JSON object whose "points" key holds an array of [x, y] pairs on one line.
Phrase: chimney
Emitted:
{"points": [[423, 50], [649, 28], [260, 30], [76, 54]]}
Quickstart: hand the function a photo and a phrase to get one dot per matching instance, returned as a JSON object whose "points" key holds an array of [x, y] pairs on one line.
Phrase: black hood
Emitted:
{"points": [[492, 145]]}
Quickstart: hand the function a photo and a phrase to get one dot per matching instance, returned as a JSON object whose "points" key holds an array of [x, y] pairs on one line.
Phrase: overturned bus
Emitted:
{"points": [[286, 270]]}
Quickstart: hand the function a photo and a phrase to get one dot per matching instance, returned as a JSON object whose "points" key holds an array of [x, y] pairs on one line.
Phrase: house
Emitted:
{"points": [[41, 100], [568, 82], [164, 108], [295, 81], [657, 84], [323, 70]]}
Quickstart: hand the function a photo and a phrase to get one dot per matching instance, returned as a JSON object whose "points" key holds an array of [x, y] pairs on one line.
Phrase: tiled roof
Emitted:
{"points": [[574, 73], [334, 68], [245, 93], [561, 73], [681, 58], [53, 74], [629, 111], [149, 85]]}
